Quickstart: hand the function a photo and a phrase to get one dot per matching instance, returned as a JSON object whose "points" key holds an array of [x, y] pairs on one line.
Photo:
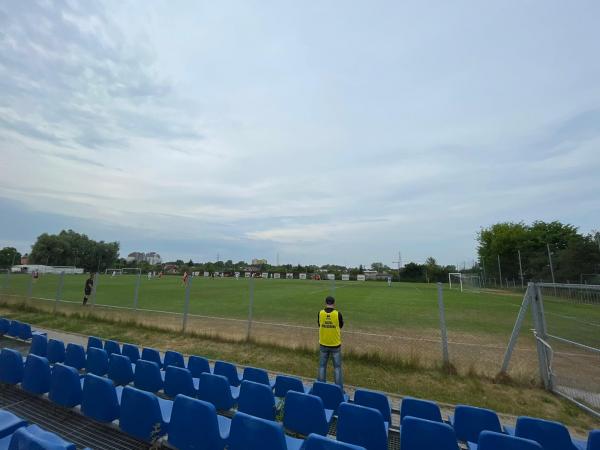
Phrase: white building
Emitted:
{"points": [[150, 257], [153, 258]]}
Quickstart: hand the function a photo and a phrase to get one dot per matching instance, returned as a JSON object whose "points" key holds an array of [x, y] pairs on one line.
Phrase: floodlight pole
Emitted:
{"points": [[521, 270]]}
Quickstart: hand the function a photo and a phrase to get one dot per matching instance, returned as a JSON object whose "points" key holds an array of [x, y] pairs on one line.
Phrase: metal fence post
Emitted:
{"points": [[94, 289], [540, 334], [186, 305], [250, 306], [137, 290], [59, 289], [517, 328], [445, 356]]}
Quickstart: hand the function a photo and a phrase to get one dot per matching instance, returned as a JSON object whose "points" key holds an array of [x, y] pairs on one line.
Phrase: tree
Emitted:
{"points": [[9, 256]]}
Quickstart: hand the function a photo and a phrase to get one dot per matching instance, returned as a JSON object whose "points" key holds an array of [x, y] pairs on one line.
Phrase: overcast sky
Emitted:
{"points": [[327, 132]]}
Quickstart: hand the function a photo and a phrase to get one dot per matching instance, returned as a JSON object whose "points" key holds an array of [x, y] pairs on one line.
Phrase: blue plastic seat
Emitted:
{"points": [[216, 390], [549, 434], [469, 421], [111, 347], [148, 376], [34, 438], [25, 331], [377, 400], [4, 326], [490, 440], [198, 365], [306, 414], [131, 351], [593, 442], [361, 425], [285, 383], [174, 359], [418, 434], [14, 328], [151, 354], [179, 381], [100, 399], [65, 386], [423, 409], [257, 400], [253, 433], [36, 375], [229, 371], [75, 356], [96, 361], [318, 442], [94, 342], [55, 351], [143, 414], [331, 394], [11, 366], [9, 423], [39, 345], [185, 432], [258, 376], [120, 370]]}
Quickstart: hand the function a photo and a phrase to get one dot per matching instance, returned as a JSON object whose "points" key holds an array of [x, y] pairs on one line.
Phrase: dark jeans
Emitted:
{"points": [[336, 356]]}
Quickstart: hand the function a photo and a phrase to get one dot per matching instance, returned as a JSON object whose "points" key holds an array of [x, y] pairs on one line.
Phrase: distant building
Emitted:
{"points": [[370, 274], [25, 259], [150, 257], [258, 262], [136, 257], [153, 258]]}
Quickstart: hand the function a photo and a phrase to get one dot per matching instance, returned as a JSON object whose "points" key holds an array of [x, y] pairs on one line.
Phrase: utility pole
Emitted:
{"points": [[521, 269], [499, 271], [550, 262], [399, 262]]}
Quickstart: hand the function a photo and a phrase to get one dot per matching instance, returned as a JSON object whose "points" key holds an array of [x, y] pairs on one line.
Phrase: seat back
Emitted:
{"points": [[13, 329], [4, 326], [198, 365], [331, 394], [96, 361], [418, 434], [178, 381], [228, 370], [318, 442], [147, 376], [361, 425], [94, 342], [36, 375], [184, 431], [34, 438], [65, 386], [304, 414], [215, 390], [257, 400], [11, 366], [469, 421], [253, 433], [111, 347], [99, 399], [140, 413], [75, 356], [594, 440], [174, 359], [55, 351], [550, 435], [120, 370], [131, 351], [39, 345], [151, 354], [256, 375], [490, 440], [373, 399], [423, 409], [284, 383], [25, 331], [10, 423]]}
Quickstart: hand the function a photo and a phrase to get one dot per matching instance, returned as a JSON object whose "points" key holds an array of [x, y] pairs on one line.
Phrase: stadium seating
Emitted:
{"points": [[14, 328], [549, 434], [179, 381], [594, 440], [198, 365], [120, 370], [100, 399], [151, 354], [229, 371], [75, 356], [55, 351], [148, 376], [361, 425], [65, 386], [305, 414], [131, 351], [331, 394], [258, 376], [419, 434], [11, 366], [376, 400], [144, 415], [184, 432], [216, 390], [96, 361], [285, 383], [33, 437], [253, 433], [4, 326], [26, 334], [469, 421], [94, 342], [36, 375], [257, 400], [423, 409], [490, 440], [318, 442], [111, 347], [174, 359], [39, 345], [9, 423]]}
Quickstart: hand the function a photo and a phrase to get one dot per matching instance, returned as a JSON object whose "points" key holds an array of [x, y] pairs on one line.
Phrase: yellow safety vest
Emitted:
{"points": [[329, 329]]}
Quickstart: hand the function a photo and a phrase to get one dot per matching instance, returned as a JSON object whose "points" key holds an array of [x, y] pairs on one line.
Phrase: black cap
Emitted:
{"points": [[330, 300]]}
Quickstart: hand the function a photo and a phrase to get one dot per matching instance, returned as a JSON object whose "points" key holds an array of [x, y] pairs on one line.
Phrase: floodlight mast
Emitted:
{"points": [[399, 262]]}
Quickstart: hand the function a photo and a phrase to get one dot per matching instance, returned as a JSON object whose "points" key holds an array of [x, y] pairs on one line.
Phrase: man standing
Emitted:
{"points": [[87, 290], [330, 341]]}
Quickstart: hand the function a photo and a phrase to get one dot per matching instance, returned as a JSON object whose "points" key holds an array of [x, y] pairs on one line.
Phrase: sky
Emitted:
{"points": [[322, 132]]}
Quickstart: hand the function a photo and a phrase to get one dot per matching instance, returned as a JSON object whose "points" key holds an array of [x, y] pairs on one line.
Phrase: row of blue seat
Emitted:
{"points": [[16, 329], [16, 434]]}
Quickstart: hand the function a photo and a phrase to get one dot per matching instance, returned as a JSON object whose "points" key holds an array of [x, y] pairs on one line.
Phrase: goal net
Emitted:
{"points": [[464, 282], [114, 272]]}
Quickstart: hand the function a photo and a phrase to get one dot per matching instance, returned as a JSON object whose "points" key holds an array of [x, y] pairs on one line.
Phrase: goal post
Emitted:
{"points": [[113, 272], [455, 277], [464, 282]]}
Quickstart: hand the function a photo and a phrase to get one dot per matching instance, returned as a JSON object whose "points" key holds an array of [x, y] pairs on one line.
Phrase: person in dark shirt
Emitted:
{"points": [[330, 323], [87, 290]]}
